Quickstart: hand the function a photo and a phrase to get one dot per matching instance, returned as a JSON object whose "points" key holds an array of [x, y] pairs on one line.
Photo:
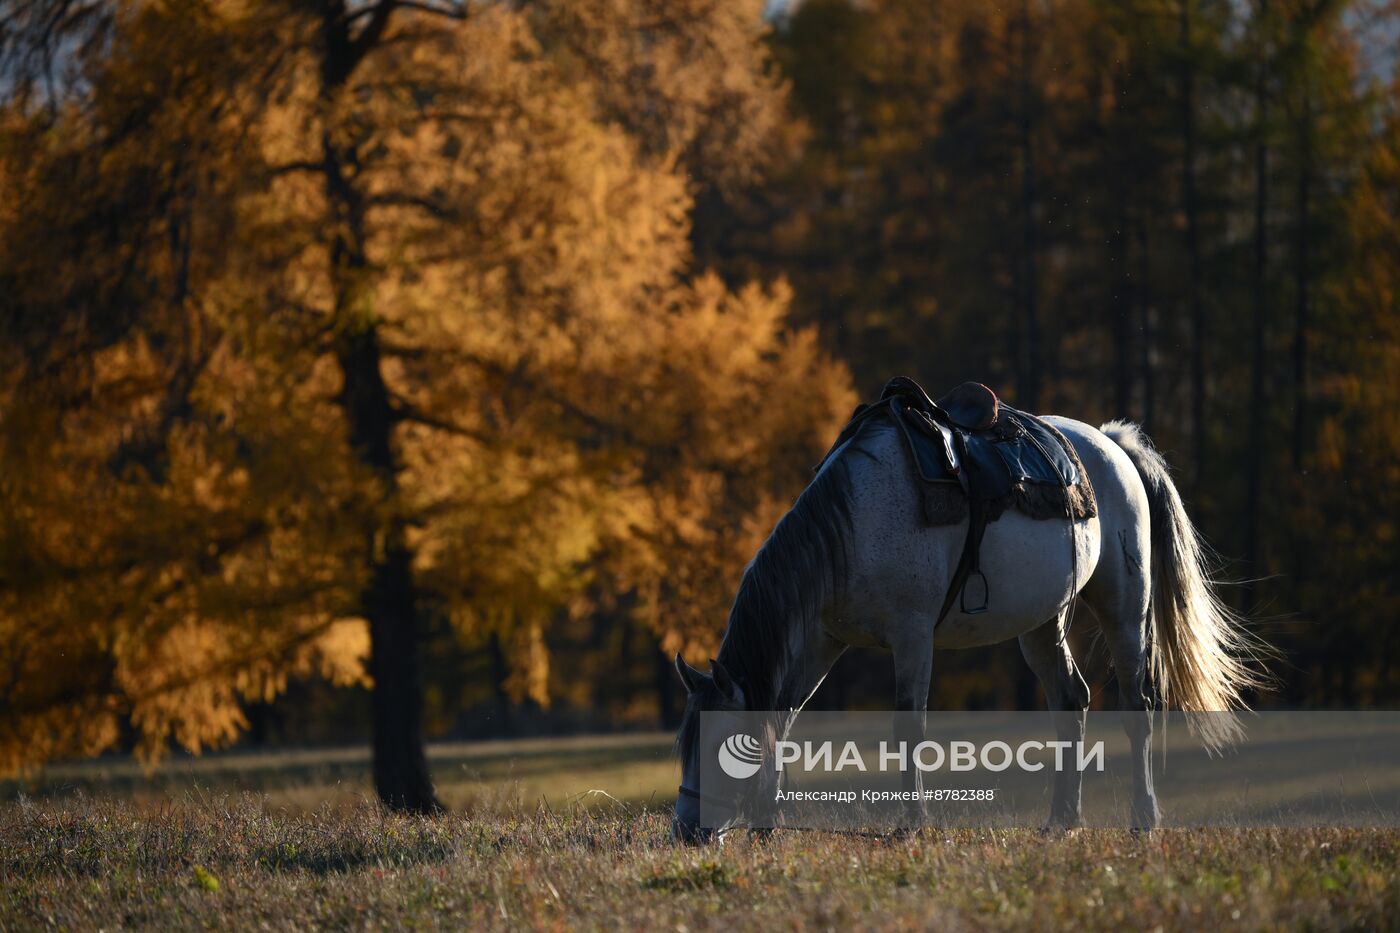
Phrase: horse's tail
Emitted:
{"points": [[1201, 657]]}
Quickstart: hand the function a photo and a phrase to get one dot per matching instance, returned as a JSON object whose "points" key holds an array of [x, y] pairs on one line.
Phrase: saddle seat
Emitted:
{"points": [[972, 406]]}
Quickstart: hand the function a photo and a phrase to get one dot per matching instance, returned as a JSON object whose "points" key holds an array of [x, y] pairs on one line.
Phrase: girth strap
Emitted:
{"points": [[969, 562]]}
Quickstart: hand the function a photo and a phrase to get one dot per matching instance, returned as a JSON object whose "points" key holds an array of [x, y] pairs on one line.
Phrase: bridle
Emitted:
{"points": [[695, 795]]}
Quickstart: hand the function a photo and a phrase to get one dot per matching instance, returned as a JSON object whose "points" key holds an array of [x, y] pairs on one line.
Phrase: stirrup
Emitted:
{"points": [[986, 594]]}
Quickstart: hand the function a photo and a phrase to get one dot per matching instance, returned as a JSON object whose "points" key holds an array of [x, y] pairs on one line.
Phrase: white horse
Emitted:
{"points": [[853, 563]]}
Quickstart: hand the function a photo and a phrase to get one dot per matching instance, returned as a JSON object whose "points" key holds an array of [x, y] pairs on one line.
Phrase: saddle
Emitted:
{"points": [[975, 457]]}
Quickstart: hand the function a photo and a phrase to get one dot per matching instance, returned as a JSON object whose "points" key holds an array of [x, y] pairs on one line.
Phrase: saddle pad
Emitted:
{"points": [[1037, 456]]}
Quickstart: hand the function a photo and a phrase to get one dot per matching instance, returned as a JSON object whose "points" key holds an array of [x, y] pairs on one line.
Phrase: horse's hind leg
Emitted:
{"points": [[1120, 595], [1129, 648], [1048, 655]]}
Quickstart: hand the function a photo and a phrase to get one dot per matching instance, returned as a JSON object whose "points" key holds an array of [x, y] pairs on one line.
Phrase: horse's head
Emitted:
{"points": [[715, 692]]}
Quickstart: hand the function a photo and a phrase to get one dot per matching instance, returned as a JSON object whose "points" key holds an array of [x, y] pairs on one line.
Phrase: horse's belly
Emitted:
{"points": [[1033, 568]]}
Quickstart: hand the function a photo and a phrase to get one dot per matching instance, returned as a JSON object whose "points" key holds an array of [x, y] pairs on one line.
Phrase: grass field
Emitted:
{"points": [[242, 842]]}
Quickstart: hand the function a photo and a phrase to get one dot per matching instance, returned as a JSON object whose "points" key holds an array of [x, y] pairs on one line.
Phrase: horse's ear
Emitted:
{"points": [[689, 675], [723, 681]]}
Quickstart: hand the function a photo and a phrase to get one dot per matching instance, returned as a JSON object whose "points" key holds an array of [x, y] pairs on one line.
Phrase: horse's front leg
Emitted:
{"points": [[1047, 653], [913, 673], [818, 656]]}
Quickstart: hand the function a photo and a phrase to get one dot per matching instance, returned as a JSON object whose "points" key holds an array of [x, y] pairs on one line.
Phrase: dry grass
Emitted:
{"points": [[201, 858]]}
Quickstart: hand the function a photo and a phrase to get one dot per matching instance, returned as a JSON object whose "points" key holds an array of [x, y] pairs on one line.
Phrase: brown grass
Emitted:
{"points": [[246, 860]]}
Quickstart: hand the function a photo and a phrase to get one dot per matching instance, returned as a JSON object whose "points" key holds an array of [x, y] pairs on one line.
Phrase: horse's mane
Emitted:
{"points": [[797, 573]]}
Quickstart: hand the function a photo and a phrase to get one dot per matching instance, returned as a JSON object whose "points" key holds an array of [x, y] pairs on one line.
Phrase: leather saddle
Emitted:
{"points": [[971, 406], [969, 437], [992, 451]]}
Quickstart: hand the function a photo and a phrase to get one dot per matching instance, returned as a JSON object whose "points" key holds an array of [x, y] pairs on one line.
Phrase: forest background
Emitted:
{"points": [[418, 369]]}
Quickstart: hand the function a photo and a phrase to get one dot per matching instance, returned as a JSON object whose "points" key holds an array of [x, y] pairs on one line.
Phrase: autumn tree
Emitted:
{"points": [[162, 561], [453, 358]]}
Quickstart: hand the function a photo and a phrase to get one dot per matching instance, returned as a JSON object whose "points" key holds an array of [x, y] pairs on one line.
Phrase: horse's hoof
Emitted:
{"points": [[1058, 832]]}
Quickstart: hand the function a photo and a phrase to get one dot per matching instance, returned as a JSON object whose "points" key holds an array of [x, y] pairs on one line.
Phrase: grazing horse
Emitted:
{"points": [[853, 564]]}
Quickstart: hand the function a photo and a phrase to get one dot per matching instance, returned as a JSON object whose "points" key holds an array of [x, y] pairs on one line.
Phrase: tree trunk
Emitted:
{"points": [[389, 600], [667, 687], [400, 765], [1193, 247], [1254, 456], [1028, 393], [1303, 544], [1302, 280], [1120, 303], [1144, 299], [500, 672], [1121, 309], [626, 663]]}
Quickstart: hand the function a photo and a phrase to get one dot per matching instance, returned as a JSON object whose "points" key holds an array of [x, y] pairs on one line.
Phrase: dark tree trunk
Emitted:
{"points": [[1028, 393], [1302, 280], [1120, 304], [1193, 246], [1254, 457], [1303, 544], [260, 717], [400, 766], [625, 662], [667, 691], [1121, 309], [1144, 299], [389, 600], [500, 672]]}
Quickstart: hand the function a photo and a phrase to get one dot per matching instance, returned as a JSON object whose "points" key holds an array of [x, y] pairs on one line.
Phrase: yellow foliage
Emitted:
{"points": [[579, 414]]}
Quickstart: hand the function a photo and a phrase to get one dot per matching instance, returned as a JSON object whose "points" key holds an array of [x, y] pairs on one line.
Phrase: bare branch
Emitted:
{"points": [[401, 199], [288, 168]]}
